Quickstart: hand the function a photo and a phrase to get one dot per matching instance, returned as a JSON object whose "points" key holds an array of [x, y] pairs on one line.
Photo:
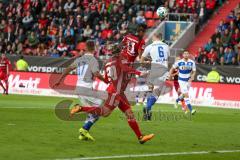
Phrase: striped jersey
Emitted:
{"points": [[184, 69]]}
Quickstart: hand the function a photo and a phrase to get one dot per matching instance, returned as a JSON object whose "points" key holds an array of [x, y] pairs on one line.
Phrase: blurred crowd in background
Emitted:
{"points": [[224, 45], [60, 28]]}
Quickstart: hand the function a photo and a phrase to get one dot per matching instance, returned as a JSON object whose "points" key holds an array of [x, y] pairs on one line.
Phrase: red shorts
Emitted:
{"points": [[115, 100], [3, 76], [176, 85]]}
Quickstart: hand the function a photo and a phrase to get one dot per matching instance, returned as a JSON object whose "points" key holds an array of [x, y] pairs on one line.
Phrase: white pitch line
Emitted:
{"points": [[151, 155]]}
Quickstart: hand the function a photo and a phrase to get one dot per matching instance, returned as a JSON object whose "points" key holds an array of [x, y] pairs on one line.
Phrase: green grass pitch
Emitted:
{"points": [[29, 130]]}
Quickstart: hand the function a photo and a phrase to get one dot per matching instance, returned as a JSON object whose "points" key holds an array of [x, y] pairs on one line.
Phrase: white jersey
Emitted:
{"points": [[185, 69], [158, 52], [86, 65]]}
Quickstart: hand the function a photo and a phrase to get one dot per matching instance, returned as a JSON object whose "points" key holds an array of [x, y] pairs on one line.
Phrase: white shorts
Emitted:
{"points": [[184, 86], [86, 100]]}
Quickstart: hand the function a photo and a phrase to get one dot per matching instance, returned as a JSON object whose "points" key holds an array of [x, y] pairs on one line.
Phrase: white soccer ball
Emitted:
{"points": [[162, 12]]}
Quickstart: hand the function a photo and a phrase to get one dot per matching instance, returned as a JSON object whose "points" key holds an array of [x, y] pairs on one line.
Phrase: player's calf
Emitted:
{"points": [[187, 101]]}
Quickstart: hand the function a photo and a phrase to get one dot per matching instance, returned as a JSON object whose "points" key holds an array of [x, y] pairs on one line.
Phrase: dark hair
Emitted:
{"points": [[141, 27], [90, 45]]}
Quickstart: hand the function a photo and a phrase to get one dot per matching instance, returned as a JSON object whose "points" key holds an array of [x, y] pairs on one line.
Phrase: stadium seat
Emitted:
{"points": [[150, 23], [148, 14], [155, 16]]}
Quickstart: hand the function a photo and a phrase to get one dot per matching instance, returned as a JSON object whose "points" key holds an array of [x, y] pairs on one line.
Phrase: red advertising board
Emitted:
{"points": [[202, 94]]}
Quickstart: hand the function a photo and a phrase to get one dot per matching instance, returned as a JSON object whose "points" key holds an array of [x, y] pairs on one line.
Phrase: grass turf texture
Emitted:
{"points": [[29, 129]]}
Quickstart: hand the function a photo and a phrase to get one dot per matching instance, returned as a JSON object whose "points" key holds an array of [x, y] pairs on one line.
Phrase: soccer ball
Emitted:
{"points": [[162, 12]]}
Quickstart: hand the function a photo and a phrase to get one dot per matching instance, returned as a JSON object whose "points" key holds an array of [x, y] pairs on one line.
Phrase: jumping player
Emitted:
{"points": [[186, 73], [158, 53], [4, 72], [133, 45], [117, 74]]}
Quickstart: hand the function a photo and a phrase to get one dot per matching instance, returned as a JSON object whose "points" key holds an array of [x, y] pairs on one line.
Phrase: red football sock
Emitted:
{"points": [[2, 86], [6, 82], [134, 125], [93, 110]]}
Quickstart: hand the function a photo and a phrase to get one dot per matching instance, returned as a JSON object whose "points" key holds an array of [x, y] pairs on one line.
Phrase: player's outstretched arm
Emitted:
{"points": [[64, 74], [129, 69]]}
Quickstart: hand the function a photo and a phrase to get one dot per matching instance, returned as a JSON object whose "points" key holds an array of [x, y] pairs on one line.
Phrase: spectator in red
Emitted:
{"points": [[26, 4], [180, 3], [212, 57], [42, 21], [192, 9], [106, 31], [93, 5], [49, 5], [210, 4], [52, 30]]}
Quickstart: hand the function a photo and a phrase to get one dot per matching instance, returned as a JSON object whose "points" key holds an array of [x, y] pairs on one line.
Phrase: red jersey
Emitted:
{"points": [[132, 46], [175, 80], [4, 65], [117, 74], [212, 56]]}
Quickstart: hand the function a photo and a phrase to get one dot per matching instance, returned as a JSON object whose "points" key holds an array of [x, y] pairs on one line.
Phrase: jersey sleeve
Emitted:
{"points": [[146, 51], [175, 65], [128, 69], [142, 45]]}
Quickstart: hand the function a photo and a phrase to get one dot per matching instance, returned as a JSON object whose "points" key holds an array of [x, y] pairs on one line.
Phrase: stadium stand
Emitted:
{"points": [[223, 47], [58, 28]]}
